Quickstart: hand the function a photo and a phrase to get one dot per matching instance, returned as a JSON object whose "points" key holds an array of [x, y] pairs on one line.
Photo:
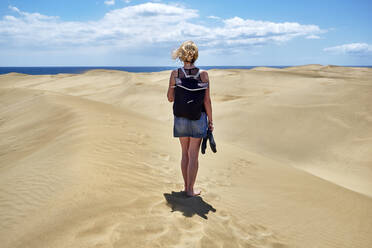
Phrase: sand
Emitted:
{"points": [[89, 160]]}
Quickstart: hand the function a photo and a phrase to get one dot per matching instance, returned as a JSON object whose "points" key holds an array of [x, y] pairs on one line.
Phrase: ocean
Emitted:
{"points": [[45, 70]]}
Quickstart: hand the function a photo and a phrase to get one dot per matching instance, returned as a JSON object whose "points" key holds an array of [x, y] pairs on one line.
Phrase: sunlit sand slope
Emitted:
{"points": [[89, 160]]}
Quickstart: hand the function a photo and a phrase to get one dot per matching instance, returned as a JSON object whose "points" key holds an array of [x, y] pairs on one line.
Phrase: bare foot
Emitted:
{"points": [[195, 193]]}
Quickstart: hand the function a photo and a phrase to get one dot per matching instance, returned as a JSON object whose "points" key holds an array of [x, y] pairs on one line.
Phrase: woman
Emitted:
{"points": [[190, 132]]}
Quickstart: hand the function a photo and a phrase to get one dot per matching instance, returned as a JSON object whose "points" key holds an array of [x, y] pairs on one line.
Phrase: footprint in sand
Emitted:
{"points": [[99, 234], [130, 153], [162, 156], [242, 234], [212, 197], [137, 138], [266, 91], [221, 180], [160, 161], [138, 135], [240, 166], [135, 141]]}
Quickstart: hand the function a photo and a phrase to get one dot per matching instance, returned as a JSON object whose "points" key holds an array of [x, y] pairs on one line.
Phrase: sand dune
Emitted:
{"points": [[89, 160]]}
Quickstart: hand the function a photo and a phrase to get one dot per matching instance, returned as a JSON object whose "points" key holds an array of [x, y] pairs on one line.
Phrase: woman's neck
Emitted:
{"points": [[188, 65]]}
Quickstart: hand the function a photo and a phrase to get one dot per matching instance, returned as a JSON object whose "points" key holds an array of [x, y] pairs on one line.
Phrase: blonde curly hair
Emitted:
{"points": [[187, 52]]}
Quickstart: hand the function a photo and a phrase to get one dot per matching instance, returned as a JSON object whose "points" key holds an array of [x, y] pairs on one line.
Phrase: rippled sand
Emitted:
{"points": [[89, 160]]}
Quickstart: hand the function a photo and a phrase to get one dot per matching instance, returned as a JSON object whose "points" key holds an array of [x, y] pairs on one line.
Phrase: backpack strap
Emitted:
{"points": [[199, 72], [189, 76]]}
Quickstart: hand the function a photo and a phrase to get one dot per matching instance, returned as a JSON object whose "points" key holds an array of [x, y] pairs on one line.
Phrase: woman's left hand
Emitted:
{"points": [[210, 126]]}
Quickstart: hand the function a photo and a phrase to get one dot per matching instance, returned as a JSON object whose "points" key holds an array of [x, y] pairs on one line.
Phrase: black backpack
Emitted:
{"points": [[189, 95]]}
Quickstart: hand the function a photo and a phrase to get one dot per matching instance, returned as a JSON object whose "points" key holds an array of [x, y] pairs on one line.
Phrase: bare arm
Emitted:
{"points": [[172, 83], [207, 100]]}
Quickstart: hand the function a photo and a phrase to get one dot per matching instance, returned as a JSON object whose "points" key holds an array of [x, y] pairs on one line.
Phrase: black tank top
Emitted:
{"points": [[191, 71]]}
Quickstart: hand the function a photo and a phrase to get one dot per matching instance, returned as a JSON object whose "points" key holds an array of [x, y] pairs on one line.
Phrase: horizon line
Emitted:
{"points": [[178, 66]]}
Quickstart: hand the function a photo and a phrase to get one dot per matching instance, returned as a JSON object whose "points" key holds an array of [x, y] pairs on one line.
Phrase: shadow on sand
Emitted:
{"points": [[189, 206]]}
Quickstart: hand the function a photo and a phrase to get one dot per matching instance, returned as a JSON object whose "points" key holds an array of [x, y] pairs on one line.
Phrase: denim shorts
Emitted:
{"points": [[184, 127]]}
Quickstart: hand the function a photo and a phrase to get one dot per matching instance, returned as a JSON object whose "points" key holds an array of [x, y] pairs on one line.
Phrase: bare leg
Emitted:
{"points": [[193, 166], [185, 141]]}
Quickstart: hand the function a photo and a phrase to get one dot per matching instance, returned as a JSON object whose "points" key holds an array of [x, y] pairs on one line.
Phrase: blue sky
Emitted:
{"points": [[143, 33]]}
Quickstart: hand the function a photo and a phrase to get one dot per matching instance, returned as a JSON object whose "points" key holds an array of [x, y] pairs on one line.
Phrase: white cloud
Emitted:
{"points": [[126, 1], [14, 9], [31, 17], [313, 36], [352, 49], [214, 17], [143, 25], [110, 2], [238, 26]]}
